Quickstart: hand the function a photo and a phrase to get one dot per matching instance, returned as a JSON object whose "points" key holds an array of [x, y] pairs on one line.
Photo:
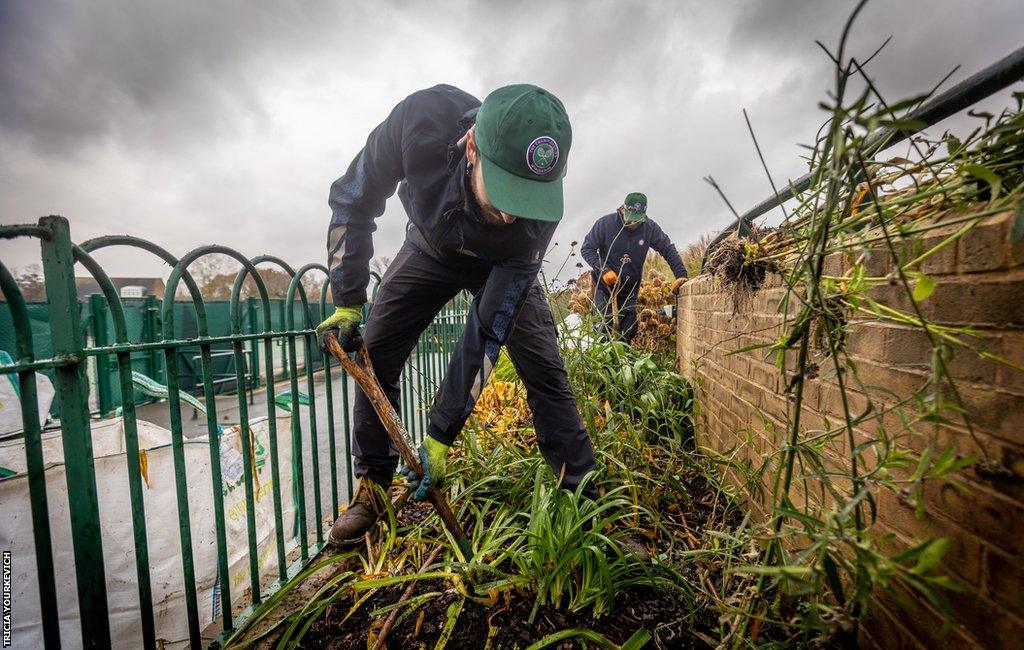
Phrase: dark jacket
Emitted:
{"points": [[416, 150], [609, 245]]}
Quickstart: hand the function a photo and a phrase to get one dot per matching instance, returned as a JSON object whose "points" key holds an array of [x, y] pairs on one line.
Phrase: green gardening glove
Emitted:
{"points": [[434, 458], [345, 321]]}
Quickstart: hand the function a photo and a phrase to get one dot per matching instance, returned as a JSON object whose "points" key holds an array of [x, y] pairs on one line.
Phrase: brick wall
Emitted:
{"points": [[980, 282]]}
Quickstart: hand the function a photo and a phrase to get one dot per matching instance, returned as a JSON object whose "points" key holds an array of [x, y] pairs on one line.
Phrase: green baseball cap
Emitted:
{"points": [[523, 135], [635, 207]]}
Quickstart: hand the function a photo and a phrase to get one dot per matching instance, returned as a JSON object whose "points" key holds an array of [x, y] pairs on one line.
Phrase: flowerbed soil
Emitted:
{"points": [[635, 608], [668, 618]]}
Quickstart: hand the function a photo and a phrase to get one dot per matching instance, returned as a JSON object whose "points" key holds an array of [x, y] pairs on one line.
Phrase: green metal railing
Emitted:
{"points": [[113, 345]]}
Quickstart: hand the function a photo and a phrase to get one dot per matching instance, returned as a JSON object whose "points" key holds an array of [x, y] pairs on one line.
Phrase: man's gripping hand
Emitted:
{"points": [[434, 458], [345, 321]]}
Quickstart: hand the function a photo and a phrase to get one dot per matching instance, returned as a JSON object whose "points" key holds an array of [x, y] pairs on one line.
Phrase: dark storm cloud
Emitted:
{"points": [[583, 49], [226, 121], [628, 74], [928, 38], [75, 73]]}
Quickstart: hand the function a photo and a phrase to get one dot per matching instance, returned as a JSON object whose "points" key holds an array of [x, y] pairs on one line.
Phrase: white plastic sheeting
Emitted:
{"points": [[10, 405], [162, 529]]}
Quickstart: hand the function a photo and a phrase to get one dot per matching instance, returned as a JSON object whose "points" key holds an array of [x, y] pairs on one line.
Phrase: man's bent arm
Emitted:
{"points": [[667, 249], [356, 199]]}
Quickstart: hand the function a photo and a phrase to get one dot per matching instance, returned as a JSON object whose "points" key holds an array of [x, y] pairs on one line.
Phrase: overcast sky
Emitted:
{"points": [[202, 122]]}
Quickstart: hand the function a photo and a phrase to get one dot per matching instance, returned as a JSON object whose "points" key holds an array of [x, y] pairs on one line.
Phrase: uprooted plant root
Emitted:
{"points": [[740, 267]]}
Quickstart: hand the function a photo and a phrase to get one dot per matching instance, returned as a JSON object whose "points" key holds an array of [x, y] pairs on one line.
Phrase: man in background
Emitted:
{"points": [[616, 249]]}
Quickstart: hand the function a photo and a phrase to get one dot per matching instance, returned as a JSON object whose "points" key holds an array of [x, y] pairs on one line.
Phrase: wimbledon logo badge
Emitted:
{"points": [[541, 155]]}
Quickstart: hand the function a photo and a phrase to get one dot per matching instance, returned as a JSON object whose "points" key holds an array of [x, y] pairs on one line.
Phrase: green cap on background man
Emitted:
{"points": [[523, 135], [635, 207]]}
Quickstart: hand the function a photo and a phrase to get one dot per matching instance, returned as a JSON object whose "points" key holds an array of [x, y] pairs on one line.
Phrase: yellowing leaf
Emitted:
{"points": [[923, 288]]}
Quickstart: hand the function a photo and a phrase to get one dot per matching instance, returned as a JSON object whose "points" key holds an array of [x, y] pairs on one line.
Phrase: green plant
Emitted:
{"points": [[614, 380], [573, 556], [821, 483], [557, 549]]}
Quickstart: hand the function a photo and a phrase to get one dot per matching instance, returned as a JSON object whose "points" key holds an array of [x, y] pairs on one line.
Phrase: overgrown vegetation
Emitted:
{"points": [[645, 562], [666, 557], [851, 251]]}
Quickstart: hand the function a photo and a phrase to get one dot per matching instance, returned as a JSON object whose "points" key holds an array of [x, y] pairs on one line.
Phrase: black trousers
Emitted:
{"points": [[626, 298], [413, 290]]}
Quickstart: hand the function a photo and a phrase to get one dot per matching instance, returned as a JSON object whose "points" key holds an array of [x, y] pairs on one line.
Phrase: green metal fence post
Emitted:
{"points": [[284, 354], [254, 345], [268, 360], [332, 444], [131, 441], [248, 458], [403, 400], [98, 310], [72, 387], [421, 399], [153, 326], [346, 422], [299, 485], [329, 395], [314, 443]]}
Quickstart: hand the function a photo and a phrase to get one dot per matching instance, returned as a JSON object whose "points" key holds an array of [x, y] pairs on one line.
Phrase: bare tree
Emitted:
{"points": [[207, 267], [313, 283], [214, 274], [30, 281]]}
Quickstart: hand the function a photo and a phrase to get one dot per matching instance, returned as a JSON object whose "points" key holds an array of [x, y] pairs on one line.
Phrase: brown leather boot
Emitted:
{"points": [[364, 510]]}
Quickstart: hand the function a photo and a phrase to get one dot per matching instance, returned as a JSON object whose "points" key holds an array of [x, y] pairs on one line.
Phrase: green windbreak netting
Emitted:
{"points": [[144, 324], [42, 346]]}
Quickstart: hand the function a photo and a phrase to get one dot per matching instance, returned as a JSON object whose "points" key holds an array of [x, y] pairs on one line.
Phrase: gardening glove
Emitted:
{"points": [[678, 283], [610, 277], [345, 321], [434, 458]]}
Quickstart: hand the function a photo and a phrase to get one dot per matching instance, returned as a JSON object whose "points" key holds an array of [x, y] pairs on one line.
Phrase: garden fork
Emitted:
{"points": [[367, 380]]}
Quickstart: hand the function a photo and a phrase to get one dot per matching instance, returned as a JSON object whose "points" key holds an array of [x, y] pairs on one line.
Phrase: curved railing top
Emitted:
{"points": [[98, 243], [108, 289], [236, 290], [167, 308], [296, 284]]}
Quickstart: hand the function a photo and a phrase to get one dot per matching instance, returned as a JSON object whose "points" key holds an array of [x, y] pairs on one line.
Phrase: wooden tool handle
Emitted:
{"points": [[367, 380]]}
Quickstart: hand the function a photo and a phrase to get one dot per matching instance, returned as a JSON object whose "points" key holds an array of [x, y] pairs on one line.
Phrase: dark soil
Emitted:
{"points": [[670, 618], [665, 617]]}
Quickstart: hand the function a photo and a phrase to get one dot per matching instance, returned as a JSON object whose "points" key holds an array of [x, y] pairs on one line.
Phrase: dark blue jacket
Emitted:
{"points": [[416, 150], [609, 245]]}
